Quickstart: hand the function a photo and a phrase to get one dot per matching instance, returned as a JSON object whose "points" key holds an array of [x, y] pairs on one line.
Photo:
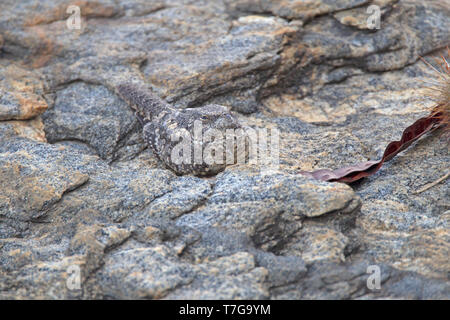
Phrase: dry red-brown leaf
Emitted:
{"points": [[365, 169]]}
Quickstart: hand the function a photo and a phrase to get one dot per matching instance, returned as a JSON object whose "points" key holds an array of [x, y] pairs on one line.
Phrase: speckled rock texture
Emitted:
{"points": [[80, 190]]}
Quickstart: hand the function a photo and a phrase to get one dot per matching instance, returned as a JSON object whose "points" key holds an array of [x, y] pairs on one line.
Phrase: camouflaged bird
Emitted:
{"points": [[163, 125]]}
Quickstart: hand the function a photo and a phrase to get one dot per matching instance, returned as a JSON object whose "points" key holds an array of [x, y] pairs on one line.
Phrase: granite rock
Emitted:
{"points": [[21, 93], [92, 115], [88, 212]]}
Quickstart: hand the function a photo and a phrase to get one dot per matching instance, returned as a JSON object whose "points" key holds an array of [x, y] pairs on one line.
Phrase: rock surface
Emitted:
{"points": [[80, 195]]}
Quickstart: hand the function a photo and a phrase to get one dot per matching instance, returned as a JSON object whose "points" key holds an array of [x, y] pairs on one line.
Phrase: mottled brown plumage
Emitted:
{"points": [[163, 122]]}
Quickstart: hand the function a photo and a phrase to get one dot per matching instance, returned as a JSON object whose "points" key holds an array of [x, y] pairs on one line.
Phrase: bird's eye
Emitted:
{"points": [[205, 117]]}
